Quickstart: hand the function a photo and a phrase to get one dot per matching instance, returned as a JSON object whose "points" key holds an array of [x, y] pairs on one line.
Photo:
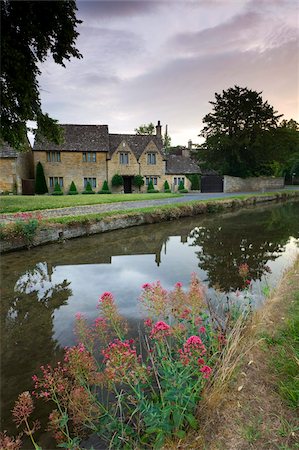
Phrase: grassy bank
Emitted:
{"points": [[22, 203], [257, 409]]}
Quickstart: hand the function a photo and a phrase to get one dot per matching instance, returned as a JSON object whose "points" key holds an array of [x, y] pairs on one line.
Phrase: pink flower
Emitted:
{"points": [[247, 282], [202, 330], [106, 297], [178, 284], [160, 329], [243, 270], [146, 286], [206, 370], [148, 323], [194, 341]]}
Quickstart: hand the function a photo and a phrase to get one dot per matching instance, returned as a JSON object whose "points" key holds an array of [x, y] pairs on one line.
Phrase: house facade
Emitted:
{"points": [[89, 153], [16, 167]]}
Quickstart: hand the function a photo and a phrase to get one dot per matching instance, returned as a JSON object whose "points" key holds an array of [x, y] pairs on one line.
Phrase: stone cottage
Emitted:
{"points": [[16, 168], [89, 153]]}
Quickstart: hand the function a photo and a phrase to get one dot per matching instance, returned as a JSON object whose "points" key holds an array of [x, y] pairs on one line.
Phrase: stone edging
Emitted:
{"points": [[55, 232]]}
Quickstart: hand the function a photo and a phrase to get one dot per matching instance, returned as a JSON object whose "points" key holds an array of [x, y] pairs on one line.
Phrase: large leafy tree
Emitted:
{"points": [[30, 32], [234, 132], [146, 128]]}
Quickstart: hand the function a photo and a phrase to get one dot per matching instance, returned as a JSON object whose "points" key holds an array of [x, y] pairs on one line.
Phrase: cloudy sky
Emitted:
{"points": [[148, 60]]}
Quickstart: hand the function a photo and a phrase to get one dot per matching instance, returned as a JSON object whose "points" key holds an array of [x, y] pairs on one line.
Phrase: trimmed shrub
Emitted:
{"points": [[117, 180], [105, 189], [183, 191], [88, 189], [166, 186], [73, 189], [195, 181], [150, 186], [40, 180], [181, 186], [57, 190], [138, 181], [152, 191]]}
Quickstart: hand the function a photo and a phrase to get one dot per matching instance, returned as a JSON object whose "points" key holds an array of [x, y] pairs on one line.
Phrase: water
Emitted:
{"points": [[42, 289]]}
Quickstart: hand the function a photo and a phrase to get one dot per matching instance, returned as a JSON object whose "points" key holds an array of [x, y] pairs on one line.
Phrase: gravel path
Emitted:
{"points": [[106, 207]]}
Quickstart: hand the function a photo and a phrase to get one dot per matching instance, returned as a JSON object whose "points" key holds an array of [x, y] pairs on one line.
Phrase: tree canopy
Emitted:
{"points": [[243, 136], [30, 32], [146, 128]]}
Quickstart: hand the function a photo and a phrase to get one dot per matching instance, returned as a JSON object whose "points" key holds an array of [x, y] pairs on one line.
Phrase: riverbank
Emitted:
{"points": [[29, 230], [258, 409]]}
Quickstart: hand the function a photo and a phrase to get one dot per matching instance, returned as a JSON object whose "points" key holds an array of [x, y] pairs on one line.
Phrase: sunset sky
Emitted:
{"points": [[145, 61]]}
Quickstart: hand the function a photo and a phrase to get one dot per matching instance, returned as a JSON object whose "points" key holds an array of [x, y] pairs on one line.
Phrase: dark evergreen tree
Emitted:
{"points": [[57, 190], [166, 186], [138, 181], [150, 186], [40, 180], [73, 189], [88, 189], [30, 32]]}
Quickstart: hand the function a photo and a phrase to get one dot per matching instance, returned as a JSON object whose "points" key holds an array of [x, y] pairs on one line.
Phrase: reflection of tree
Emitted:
{"points": [[27, 329], [254, 238]]}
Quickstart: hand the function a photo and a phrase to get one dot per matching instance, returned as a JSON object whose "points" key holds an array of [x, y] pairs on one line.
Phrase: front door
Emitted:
{"points": [[127, 184]]}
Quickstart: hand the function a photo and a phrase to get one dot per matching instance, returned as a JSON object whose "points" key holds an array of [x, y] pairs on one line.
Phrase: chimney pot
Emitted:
{"points": [[159, 129]]}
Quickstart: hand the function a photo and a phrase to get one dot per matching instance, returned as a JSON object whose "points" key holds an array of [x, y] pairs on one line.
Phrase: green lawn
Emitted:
{"points": [[19, 203]]}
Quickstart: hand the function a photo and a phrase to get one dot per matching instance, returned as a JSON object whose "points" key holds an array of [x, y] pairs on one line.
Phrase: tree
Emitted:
{"points": [[138, 181], [40, 180], [117, 180], [30, 32], [73, 189], [166, 141], [146, 129], [235, 130]]}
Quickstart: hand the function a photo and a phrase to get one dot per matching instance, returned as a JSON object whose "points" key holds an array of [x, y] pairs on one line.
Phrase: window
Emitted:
{"points": [[53, 157], [154, 180], [89, 157], [123, 158], [92, 181], [151, 158], [54, 180], [177, 180]]}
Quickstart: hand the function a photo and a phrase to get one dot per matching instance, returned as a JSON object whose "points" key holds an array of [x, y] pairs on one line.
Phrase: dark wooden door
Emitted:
{"points": [[28, 187], [211, 183], [127, 185]]}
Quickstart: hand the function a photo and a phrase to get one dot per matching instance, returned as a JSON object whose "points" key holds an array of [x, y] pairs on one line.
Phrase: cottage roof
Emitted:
{"points": [[136, 142], [78, 138], [6, 151], [178, 164]]}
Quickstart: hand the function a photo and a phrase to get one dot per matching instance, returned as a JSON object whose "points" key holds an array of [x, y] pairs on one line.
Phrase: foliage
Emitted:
{"points": [[150, 186], [88, 189], [23, 228], [195, 181], [117, 180], [166, 142], [148, 128], [105, 188], [57, 190], [235, 133], [40, 180], [166, 186], [153, 191], [73, 189], [30, 32], [181, 186], [151, 394], [138, 181]]}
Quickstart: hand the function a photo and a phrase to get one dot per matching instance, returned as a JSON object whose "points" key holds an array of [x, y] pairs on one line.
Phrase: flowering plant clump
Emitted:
{"points": [[133, 394], [23, 228]]}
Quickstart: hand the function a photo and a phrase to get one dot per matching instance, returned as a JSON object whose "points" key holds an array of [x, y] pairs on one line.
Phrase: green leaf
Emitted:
{"points": [[180, 434], [63, 421], [192, 421]]}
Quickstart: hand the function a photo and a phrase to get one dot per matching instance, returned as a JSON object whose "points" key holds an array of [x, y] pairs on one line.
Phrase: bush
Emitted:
{"points": [[152, 191], [195, 181], [88, 189], [138, 181], [167, 191], [181, 186], [166, 186], [157, 381], [73, 189], [183, 191], [105, 189], [57, 190], [117, 180], [150, 186], [40, 180]]}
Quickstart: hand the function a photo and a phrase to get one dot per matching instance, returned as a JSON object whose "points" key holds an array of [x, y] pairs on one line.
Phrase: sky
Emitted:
{"points": [[145, 61]]}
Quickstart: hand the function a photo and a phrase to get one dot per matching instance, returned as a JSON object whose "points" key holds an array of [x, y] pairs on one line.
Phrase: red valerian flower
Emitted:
{"points": [[160, 330], [206, 370]]}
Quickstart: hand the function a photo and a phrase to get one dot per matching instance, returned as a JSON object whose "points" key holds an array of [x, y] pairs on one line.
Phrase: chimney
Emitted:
{"points": [[186, 151], [158, 129]]}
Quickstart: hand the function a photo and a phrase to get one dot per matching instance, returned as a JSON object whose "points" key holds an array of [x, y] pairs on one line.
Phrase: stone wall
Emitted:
{"points": [[72, 168], [172, 185], [253, 184], [8, 174], [13, 170]]}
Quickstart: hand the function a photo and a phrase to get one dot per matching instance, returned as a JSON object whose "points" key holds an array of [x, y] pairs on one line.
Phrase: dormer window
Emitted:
{"points": [[151, 158], [124, 158]]}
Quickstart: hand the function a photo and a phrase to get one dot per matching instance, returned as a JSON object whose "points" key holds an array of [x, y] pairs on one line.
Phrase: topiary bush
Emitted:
{"points": [[181, 186], [150, 186], [166, 187], [105, 189], [138, 181], [40, 180], [117, 180], [195, 181], [152, 191], [73, 189], [88, 189], [183, 191], [57, 190]]}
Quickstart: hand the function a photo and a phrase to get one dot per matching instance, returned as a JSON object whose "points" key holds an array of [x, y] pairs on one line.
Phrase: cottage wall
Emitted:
{"points": [[72, 168], [8, 174], [174, 186]]}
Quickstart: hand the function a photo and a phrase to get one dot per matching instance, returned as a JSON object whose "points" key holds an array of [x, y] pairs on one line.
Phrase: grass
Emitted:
{"points": [[284, 347], [21, 203]]}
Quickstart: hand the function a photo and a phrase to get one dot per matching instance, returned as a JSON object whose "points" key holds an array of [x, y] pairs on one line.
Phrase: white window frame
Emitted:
{"points": [[91, 180], [54, 180], [152, 159], [124, 158]]}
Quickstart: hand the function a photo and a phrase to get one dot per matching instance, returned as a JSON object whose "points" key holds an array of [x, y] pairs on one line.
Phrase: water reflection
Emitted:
{"points": [[44, 288]]}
